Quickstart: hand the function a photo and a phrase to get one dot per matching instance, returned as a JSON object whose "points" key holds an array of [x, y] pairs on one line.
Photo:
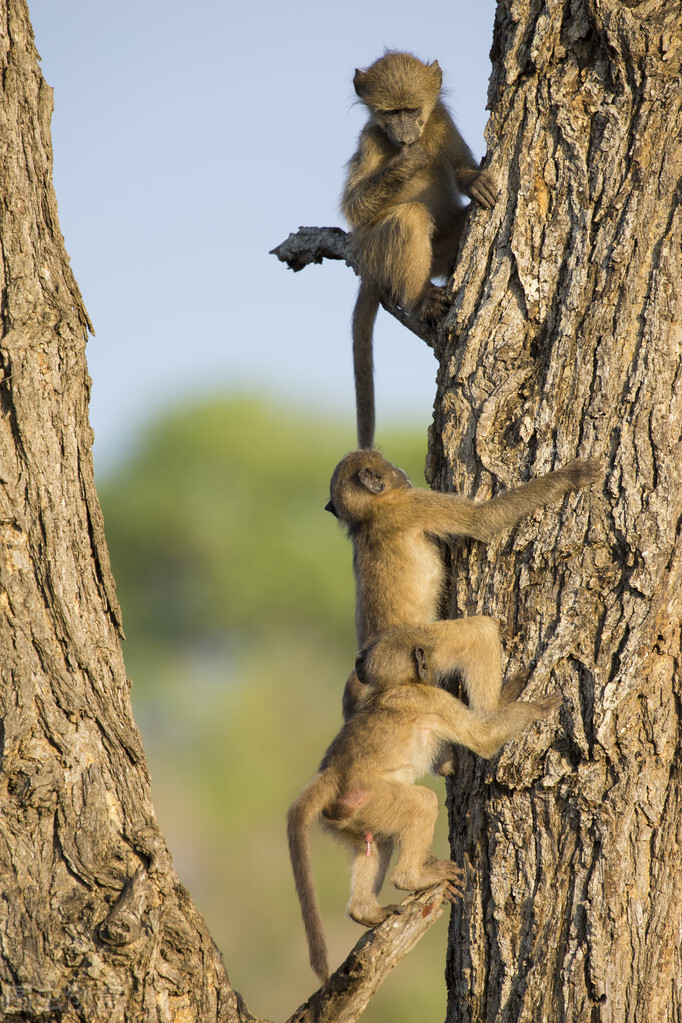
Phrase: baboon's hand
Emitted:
{"points": [[514, 686], [446, 767], [483, 190], [585, 471], [453, 892], [434, 305], [449, 871], [413, 158], [548, 704]]}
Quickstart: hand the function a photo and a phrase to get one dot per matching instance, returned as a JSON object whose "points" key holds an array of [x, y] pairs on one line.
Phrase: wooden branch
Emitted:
{"points": [[313, 244], [346, 994]]}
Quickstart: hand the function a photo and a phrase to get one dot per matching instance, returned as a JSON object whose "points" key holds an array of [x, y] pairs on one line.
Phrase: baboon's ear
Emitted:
{"points": [[360, 659], [371, 480], [422, 664], [359, 82], [436, 73]]}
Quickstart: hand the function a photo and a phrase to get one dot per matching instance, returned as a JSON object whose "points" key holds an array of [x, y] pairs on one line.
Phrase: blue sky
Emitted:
{"points": [[188, 141]]}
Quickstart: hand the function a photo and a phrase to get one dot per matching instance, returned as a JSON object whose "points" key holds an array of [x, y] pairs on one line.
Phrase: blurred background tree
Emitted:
{"points": [[237, 597]]}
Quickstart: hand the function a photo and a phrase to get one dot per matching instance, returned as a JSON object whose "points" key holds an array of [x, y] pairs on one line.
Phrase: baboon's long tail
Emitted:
{"points": [[307, 808], [364, 315]]}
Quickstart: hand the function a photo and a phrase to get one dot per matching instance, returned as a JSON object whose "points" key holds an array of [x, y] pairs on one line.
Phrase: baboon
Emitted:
{"points": [[364, 790], [399, 572], [402, 201]]}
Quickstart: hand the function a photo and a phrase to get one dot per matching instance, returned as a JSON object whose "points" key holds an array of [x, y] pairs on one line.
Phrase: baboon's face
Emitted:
{"points": [[403, 127]]}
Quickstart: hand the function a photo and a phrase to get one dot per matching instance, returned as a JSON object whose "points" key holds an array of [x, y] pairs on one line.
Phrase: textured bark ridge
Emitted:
{"points": [[565, 340], [94, 924]]}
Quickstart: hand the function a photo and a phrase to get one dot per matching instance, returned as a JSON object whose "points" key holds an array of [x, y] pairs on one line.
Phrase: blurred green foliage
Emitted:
{"points": [[237, 596]]}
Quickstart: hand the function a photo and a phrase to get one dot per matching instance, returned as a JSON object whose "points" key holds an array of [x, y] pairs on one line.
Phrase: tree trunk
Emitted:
{"points": [[566, 340], [94, 924]]}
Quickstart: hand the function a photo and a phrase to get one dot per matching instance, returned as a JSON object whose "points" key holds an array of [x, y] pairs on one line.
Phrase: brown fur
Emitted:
{"points": [[402, 201], [399, 572], [364, 789]]}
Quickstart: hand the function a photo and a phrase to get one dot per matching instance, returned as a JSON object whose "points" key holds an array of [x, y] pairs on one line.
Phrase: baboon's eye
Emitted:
{"points": [[401, 110]]}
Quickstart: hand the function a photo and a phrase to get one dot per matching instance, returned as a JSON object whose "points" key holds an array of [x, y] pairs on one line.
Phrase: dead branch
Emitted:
{"points": [[346, 994], [313, 244]]}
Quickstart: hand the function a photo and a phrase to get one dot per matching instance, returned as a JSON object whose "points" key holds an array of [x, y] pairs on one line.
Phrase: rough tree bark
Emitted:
{"points": [[565, 340], [94, 923]]}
